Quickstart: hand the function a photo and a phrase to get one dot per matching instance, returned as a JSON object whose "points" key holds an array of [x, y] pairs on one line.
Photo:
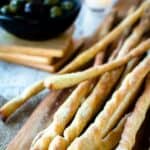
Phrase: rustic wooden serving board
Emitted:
{"points": [[44, 112]]}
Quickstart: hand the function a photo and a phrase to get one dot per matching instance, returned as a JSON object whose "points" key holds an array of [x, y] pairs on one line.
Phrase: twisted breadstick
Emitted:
{"points": [[96, 99], [109, 142], [101, 91], [135, 120], [120, 99], [68, 80], [100, 46], [75, 99]]}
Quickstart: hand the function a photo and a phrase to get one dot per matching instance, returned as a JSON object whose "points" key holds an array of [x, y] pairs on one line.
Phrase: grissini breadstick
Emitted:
{"points": [[101, 45], [24, 58], [82, 89], [118, 113], [123, 38], [133, 40], [75, 98], [102, 30], [68, 80], [12, 105], [124, 94], [66, 112], [46, 68], [114, 136], [136, 36], [29, 92], [98, 96], [129, 67], [35, 63], [90, 73], [136, 119], [31, 51], [109, 142], [73, 48]]}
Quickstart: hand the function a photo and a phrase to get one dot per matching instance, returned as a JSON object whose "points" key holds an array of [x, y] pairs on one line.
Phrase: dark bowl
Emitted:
{"points": [[39, 29]]}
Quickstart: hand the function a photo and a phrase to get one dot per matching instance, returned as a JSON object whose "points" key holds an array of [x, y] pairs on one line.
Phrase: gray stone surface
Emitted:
{"points": [[14, 79]]}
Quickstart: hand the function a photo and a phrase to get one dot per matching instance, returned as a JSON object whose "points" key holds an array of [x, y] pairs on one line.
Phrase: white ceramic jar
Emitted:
{"points": [[99, 4]]}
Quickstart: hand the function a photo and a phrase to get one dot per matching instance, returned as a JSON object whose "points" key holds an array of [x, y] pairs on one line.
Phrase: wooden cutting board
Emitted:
{"points": [[44, 112]]}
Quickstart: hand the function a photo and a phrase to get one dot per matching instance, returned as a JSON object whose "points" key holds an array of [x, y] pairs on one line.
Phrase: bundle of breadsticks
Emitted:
{"points": [[48, 55], [110, 100]]}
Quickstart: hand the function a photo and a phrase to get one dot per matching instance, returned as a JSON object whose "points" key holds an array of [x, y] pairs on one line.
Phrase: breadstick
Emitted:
{"points": [[29, 92], [136, 119], [73, 101], [68, 80], [124, 94], [97, 98], [77, 44], [11, 106], [31, 51], [102, 44], [114, 136], [109, 142], [90, 73], [129, 67], [66, 112], [123, 37], [136, 36], [10, 57]]}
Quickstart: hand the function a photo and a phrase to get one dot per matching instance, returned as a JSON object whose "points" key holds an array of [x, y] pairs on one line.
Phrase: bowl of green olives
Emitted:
{"points": [[38, 19]]}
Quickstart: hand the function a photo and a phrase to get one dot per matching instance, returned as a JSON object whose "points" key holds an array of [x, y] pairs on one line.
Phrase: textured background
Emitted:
{"points": [[14, 79]]}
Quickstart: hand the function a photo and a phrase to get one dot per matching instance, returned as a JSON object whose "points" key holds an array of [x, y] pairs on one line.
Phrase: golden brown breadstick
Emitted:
{"points": [[29, 92], [95, 71], [73, 48], [73, 101], [68, 80], [101, 45], [97, 97], [136, 119], [11, 57], [31, 51], [136, 36], [129, 67], [114, 136], [109, 142], [93, 103], [66, 112], [122, 39], [124, 94], [11, 106]]}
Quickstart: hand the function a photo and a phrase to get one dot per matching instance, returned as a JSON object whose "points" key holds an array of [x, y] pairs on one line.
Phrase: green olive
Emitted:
{"points": [[15, 5], [51, 2], [67, 5], [5, 9], [55, 12]]}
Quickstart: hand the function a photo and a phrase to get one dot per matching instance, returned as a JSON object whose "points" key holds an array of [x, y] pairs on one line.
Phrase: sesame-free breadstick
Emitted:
{"points": [[124, 95], [11, 106], [102, 44], [107, 143], [75, 99], [99, 94], [68, 80], [136, 119]]}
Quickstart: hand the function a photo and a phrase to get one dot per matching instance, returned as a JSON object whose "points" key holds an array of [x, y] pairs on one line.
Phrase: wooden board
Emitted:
{"points": [[44, 112]]}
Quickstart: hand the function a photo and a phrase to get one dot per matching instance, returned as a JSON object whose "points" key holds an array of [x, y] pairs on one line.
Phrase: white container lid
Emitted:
{"points": [[99, 4]]}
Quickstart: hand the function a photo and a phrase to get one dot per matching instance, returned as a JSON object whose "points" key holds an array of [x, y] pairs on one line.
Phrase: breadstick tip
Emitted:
{"points": [[2, 116]]}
